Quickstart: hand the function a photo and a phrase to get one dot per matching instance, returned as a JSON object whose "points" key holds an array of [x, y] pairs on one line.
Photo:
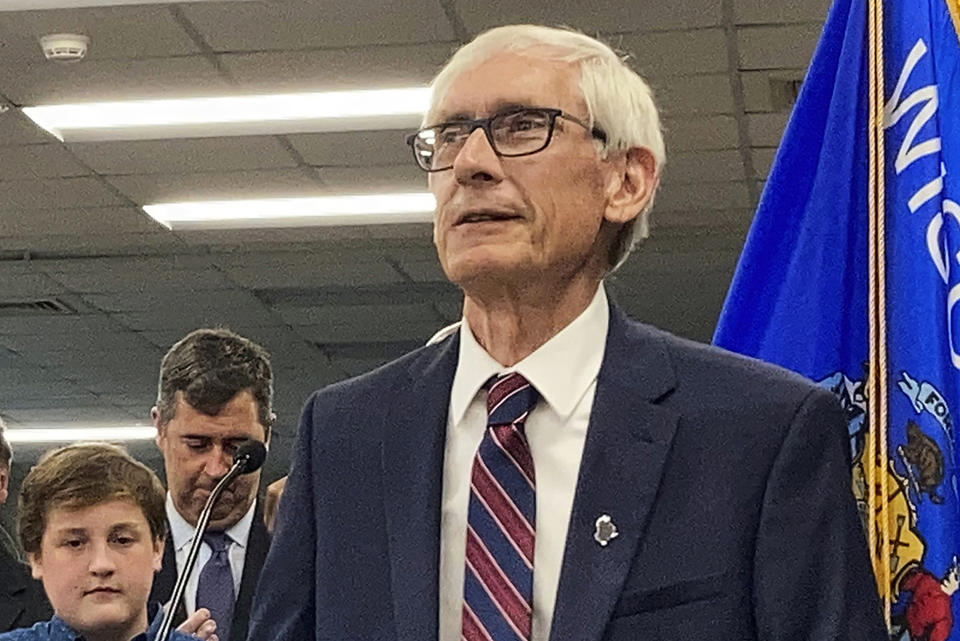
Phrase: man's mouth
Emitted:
{"points": [[102, 590], [485, 217]]}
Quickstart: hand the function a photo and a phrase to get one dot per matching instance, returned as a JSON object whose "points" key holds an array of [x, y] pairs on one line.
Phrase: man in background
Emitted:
{"points": [[215, 392], [22, 601]]}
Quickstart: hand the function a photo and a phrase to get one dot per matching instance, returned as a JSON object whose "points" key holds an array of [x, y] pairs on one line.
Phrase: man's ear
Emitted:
{"points": [[158, 553], [155, 418], [36, 567], [269, 432], [631, 185], [4, 485]]}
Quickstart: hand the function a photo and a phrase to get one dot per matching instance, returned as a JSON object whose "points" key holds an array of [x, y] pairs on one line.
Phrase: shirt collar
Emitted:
{"points": [[182, 532], [61, 630], [579, 345]]}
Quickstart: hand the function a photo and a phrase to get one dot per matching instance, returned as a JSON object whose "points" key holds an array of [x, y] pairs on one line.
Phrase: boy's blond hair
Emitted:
{"points": [[85, 474]]}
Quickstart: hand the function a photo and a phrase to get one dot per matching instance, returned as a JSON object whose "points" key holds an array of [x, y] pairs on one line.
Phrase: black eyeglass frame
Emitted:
{"points": [[486, 125]]}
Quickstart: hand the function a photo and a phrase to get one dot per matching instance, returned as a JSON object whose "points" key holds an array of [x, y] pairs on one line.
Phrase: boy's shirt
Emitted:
{"points": [[56, 629]]}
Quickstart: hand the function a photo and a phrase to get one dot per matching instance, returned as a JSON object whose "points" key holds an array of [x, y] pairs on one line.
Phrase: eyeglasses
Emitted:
{"points": [[519, 132]]}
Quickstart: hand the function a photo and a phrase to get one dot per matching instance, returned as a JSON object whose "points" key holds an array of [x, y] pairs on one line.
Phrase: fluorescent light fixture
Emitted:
{"points": [[234, 115], [33, 5], [362, 209], [56, 434]]}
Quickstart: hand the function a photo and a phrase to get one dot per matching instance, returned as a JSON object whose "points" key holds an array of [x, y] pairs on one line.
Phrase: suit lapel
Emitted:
{"points": [[627, 444], [258, 544], [412, 462], [11, 601], [166, 578]]}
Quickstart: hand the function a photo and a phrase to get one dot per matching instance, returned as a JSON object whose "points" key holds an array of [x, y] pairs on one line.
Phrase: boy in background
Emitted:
{"points": [[92, 523]]}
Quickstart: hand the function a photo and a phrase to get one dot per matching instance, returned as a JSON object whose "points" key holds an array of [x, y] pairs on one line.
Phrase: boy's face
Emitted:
{"points": [[97, 565]]}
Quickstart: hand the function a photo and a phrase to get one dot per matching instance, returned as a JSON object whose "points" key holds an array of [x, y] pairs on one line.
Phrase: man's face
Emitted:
{"points": [[97, 565], [198, 451], [549, 206]]}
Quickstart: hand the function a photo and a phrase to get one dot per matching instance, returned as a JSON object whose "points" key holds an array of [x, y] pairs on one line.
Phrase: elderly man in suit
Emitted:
{"points": [[215, 392], [553, 469]]}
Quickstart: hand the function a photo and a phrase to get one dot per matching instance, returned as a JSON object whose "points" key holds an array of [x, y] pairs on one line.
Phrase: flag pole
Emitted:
{"points": [[878, 526]]}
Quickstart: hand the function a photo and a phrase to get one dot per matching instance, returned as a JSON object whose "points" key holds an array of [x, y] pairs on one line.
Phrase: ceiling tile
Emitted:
{"points": [[49, 160], [163, 300], [359, 148], [313, 275], [56, 192], [92, 244], [115, 32], [699, 134], [605, 16], [261, 26], [196, 155], [331, 69], [702, 196], [757, 92], [77, 222], [105, 80], [763, 160], [407, 177], [704, 166], [135, 280], [694, 95], [184, 321], [17, 129], [56, 324], [780, 11], [774, 47], [146, 189], [675, 53], [350, 323], [22, 287], [766, 129]]}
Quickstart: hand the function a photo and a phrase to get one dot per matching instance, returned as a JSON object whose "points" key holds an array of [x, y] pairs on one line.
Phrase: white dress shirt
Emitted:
{"points": [[564, 370], [182, 535]]}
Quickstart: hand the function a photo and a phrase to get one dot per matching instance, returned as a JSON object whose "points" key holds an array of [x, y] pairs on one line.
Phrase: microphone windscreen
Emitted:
{"points": [[253, 454]]}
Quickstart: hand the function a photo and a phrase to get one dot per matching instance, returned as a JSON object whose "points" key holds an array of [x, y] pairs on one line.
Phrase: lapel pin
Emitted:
{"points": [[604, 530]]}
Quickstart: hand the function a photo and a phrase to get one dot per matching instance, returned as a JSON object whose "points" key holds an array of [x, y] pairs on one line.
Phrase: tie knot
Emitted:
{"points": [[510, 397], [218, 541]]}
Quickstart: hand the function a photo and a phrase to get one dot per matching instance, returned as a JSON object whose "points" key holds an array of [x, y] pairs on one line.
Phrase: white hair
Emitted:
{"points": [[619, 102]]}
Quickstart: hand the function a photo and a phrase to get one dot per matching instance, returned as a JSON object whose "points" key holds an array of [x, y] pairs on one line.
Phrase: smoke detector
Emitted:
{"points": [[65, 47]]}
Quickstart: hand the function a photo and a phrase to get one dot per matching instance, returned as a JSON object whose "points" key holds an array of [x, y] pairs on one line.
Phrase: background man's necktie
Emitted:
{"points": [[501, 520], [215, 587]]}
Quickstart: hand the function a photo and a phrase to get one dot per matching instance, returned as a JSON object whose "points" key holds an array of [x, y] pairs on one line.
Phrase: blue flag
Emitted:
{"points": [[799, 297]]}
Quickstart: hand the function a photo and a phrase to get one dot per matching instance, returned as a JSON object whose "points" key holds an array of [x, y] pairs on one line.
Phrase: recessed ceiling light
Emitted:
{"points": [[57, 434], [359, 209], [234, 115]]}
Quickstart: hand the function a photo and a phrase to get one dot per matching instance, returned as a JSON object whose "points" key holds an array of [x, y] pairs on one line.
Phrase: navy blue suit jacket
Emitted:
{"points": [[728, 480]]}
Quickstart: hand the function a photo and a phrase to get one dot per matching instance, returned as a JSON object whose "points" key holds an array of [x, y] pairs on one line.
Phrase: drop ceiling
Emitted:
{"points": [[328, 302]]}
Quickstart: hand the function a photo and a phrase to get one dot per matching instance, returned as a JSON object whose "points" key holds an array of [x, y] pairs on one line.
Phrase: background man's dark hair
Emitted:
{"points": [[211, 366]]}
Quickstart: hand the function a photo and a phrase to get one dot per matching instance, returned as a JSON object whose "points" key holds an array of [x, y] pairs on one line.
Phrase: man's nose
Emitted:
{"points": [[102, 563], [217, 462], [477, 162]]}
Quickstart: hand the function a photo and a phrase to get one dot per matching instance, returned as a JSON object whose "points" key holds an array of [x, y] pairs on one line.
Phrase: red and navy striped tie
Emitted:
{"points": [[501, 521]]}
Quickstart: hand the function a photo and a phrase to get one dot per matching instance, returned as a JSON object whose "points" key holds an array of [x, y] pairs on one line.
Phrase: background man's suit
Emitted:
{"points": [[22, 601], [727, 479], [257, 546]]}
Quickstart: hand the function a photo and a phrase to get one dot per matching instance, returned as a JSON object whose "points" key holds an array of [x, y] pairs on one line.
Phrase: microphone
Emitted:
{"points": [[248, 458]]}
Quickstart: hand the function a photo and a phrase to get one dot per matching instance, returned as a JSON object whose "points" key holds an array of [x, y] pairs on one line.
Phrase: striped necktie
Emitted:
{"points": [[501, 520]]}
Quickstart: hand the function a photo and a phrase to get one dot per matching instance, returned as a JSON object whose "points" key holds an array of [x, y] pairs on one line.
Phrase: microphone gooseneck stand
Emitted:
{"points": [[249, 458]]}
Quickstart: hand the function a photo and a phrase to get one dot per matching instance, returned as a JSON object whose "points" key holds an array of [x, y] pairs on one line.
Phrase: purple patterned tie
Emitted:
{"points": [[215, 587], [501, 520]]}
